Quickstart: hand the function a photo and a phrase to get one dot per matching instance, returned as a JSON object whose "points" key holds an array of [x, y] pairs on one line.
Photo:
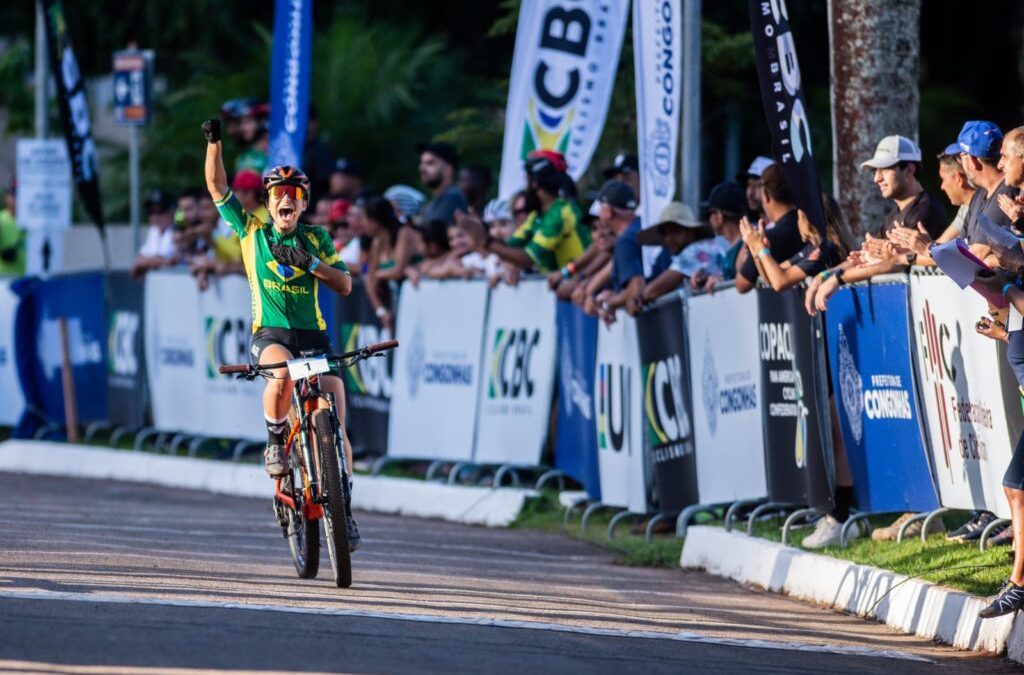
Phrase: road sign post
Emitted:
{"points": [[133, 85]]}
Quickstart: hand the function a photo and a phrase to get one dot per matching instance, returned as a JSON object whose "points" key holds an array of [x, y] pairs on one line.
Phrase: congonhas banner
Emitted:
{"points": [[618, 387], [962, 395], [725, 381], [667, 417], [290, 72], [872, 370], [519, 360], [437, 372], [657, 59], [563, 73]]}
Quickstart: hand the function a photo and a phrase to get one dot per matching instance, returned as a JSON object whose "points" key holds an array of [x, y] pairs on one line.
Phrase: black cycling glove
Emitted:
{"points": [[211, 129], [292, 256]]}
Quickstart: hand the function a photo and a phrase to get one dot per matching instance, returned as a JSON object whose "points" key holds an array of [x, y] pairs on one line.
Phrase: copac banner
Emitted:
{"points": [[798, 448], [959, 374], [440, 325], [232, 408], [618, 400], [10, 389], [725, 378], [126, 360], [519, 372], [175, 353], [868, 329], [657, 60], [778, 73], [290, 68], [563, 73], [667, 417], [576, 442], [74, 110], [368, 384], [77, 299]]}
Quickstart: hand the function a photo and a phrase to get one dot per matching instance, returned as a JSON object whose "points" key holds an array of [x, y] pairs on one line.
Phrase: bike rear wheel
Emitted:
{"points": [[303, 535], [335, 514]]}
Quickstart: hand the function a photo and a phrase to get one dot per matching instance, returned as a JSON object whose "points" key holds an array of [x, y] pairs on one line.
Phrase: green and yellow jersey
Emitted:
{"points": [[554, 238], [282, 296]]}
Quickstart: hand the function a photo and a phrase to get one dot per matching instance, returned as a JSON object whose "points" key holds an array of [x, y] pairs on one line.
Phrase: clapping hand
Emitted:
{"points": [[1013, 207]]}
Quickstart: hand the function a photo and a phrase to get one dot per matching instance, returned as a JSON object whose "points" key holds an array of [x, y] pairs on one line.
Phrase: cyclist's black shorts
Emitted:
{"points": [[294, 340]]}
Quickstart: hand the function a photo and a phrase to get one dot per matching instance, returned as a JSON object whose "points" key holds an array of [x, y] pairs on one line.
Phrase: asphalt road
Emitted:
{"points": [[100, 577]]}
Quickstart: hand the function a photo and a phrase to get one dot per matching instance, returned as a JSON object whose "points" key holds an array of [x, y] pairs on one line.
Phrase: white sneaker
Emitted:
{"points": [[828, 532]]}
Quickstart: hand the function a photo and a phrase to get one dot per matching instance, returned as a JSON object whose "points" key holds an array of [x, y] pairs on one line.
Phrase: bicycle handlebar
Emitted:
{"points": [[365, 352]]}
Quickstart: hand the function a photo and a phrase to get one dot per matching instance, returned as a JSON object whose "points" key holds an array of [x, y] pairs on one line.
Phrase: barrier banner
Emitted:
{"points": [[78, 299], [667, 425], [658, 62], [959, 376], [232, 408], [725, 378], [440, 325], [868, 329], [126, 364], [778, 73], [368, 384], [290, 72], [10, 389], [519, 371], [798, 455], [563, 73], [618, 391], [175, 352], [576, 441]]}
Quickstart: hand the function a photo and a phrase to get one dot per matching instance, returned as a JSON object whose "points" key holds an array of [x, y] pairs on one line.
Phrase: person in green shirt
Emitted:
{"points": [[12, 239], [285, 262]]}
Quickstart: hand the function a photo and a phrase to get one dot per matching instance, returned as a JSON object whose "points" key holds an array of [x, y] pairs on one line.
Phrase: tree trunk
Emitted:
{"points": [[875, 50]]}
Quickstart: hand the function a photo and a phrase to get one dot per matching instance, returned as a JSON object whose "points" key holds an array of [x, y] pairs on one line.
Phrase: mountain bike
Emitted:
{"points": [[316, 485]]}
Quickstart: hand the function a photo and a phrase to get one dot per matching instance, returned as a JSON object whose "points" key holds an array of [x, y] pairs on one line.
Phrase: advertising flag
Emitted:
{"points": [[782, 95], [74, 110], [290, 67], [563, 72], [657, 58]]}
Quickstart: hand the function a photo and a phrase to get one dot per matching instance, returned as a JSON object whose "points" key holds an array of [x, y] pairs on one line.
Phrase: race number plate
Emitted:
{"points": [[300, 369]]}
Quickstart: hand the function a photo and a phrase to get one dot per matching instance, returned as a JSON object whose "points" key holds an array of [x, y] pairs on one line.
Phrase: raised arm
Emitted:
{"points": [[216, 176]]}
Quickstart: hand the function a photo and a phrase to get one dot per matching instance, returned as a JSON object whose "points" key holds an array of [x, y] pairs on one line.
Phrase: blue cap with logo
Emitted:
{"points": [[980, 138]]}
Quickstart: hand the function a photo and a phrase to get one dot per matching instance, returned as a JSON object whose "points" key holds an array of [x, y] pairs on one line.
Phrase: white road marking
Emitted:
{"points": [[681, 636]]}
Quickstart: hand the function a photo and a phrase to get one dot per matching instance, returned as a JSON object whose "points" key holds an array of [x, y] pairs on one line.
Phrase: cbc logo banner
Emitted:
{"points": [[227, 342], [122, 335], [667, 422], [511, 375]]}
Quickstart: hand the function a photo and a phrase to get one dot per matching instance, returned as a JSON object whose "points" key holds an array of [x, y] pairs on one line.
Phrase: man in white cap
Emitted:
{"points": [[751, 180]]}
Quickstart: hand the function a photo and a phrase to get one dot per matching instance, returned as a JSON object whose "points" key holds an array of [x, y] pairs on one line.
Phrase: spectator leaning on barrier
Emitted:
{"points": [[625, 168], [393, 247], [158, 250], [346, 180], [497, 217], [694, 253], [438, 162], [781, 229], [523, 203], [595, 276], [12, 238], [618, 209], [726, 205], [980, 144], [751, 181]]}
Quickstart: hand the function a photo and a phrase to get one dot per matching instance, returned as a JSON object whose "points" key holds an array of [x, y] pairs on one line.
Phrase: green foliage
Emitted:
{"points": [[15, 96]]}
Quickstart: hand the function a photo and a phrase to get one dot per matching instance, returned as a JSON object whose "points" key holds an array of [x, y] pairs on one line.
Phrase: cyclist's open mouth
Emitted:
{"points": [[285, 212]]}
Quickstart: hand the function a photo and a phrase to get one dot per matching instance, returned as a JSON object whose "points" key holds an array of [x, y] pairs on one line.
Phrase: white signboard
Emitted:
{"points": [[440, 326], [958, 371], [725, 378], [519, 373], [619, 406], [10, 389], [175, 353], [44, 184]]}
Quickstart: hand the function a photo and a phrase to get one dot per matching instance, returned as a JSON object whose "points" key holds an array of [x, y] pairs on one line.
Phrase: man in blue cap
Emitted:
{"points": [[980, 143]]}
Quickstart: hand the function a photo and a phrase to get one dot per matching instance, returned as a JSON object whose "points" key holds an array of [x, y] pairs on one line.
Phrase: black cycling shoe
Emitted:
{"points": [[1009, 600], [354, 540]]}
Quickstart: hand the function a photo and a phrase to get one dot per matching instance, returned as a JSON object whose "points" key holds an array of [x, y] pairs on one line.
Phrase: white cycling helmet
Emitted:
{"points": [[497, 209]]}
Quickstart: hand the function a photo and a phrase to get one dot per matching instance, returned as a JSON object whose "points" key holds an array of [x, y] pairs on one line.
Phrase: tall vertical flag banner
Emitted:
{"points": [[290, 68], [563, 72], [782, 95], [74, 110], [658, 61]]}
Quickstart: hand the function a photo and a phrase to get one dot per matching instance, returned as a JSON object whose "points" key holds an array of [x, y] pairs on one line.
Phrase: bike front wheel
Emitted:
{"points": [[335, 515]]}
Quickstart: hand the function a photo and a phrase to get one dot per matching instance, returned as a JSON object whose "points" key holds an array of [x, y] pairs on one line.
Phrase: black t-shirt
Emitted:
{"points": [[924, 209], [784, 241], [814, 259], [983, 204]]}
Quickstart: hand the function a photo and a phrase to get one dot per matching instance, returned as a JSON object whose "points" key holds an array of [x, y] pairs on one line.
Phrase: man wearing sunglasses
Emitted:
{"points": [[285, 263]]}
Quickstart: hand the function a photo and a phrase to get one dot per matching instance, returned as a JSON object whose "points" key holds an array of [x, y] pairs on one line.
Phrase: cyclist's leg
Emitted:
{"points": [[334, 385], [277, 396]]}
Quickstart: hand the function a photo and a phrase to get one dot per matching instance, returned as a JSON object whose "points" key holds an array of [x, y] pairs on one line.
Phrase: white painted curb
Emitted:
{"points": [[454, 503], [915, 606]]}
